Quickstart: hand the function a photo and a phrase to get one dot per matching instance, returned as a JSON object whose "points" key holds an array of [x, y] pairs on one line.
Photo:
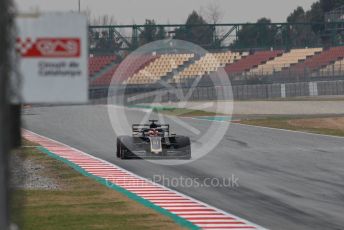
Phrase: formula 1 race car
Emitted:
{"points": [[153, 141]]}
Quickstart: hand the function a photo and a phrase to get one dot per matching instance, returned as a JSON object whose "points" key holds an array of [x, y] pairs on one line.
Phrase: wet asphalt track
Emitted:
{"points": [[286, 180]]}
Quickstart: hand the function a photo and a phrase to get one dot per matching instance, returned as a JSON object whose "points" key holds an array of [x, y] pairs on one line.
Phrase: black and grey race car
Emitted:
{"points": [[153, 141]]}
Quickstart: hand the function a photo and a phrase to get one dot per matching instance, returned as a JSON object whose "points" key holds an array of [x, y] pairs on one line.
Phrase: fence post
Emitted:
{"points": [[8, 114], [283, 91]]}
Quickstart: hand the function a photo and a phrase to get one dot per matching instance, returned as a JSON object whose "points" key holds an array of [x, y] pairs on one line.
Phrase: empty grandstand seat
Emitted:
{"points": [[318, 61], [251, 61], [207, 64], [97, 63], [333, 69], [130, 66], [105, 79], [284, 61], [159, 68]]}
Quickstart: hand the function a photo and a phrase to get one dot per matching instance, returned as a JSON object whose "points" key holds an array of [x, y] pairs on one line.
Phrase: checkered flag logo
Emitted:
{"points": [[23, 45]]}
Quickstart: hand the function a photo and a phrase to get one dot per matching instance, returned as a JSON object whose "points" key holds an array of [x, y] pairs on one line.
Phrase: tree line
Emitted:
{"points": [[261, 34]]}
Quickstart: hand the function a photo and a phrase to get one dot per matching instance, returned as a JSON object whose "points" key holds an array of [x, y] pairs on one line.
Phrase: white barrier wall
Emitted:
{"points": [[240, 92], [313, 89], [53, 61], [283, 94]]}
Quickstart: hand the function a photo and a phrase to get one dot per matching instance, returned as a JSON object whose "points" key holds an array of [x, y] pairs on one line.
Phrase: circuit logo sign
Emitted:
{"points": [[48, 47]]}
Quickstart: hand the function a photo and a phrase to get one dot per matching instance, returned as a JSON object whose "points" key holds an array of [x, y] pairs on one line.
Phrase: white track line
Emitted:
{"points": [[235, 122], [287, 130]]}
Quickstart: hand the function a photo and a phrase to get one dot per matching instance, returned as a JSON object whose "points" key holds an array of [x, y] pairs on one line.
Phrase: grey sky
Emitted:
{"points": [[172, 11]]}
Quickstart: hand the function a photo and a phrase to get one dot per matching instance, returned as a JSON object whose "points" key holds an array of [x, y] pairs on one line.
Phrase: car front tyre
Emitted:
{"points": [[118, 148]]}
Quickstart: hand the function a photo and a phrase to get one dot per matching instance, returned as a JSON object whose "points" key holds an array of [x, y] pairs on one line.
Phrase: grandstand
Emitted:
{"points": [[251, 61], [129, 67], [284, 61], [250, 53], [98, 63], [294, 52], [104, 79], [317, 62], [207, 64], [148, 69], [159, 68], [335, 69]]}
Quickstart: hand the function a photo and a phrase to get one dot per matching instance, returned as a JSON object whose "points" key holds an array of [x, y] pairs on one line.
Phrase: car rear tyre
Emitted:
{"points": [[121, 150]]}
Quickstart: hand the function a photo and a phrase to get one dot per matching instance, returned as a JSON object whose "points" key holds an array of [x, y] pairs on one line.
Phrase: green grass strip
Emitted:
{"points": [[179, 220], [155, 108]]}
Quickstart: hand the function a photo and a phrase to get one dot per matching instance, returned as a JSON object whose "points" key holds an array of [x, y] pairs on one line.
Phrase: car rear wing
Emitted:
{"points": [[138, 128]]}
